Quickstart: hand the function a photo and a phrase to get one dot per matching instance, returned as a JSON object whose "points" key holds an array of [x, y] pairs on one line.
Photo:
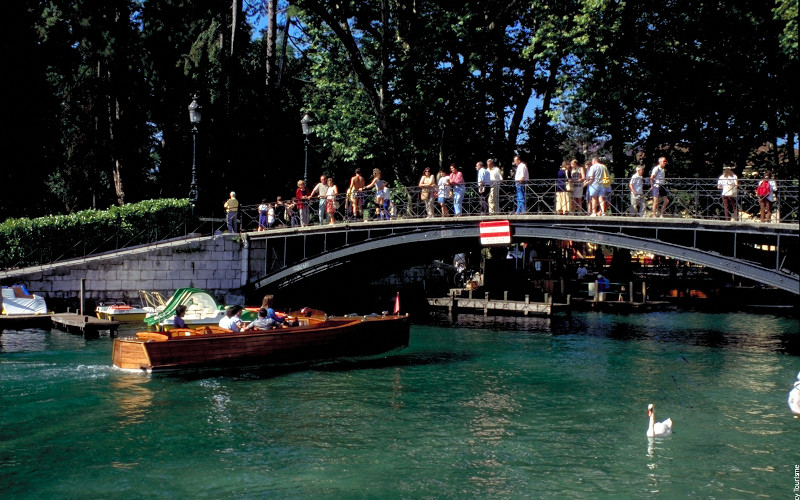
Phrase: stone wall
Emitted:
{"points": [[218, 264]]}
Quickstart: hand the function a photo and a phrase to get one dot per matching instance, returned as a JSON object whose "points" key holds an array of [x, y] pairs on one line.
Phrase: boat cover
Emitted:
{"points": [[17, 301]]}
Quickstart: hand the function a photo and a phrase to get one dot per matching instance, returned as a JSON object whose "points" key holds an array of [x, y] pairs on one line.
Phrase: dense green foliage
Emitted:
{"points": [[98, 105], [45, 239]]}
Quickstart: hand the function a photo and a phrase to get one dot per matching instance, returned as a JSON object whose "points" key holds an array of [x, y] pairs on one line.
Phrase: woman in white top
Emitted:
{"points": [[330, 206], [444, 190], [729, 184]]}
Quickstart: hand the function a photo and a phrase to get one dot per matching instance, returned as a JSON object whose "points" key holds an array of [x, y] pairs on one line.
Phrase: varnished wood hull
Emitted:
{"points": [[332, 339]]}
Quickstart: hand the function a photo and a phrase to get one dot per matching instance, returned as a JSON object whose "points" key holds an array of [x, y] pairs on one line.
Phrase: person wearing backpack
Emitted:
{"points": [[766, 196], [729, 184]]}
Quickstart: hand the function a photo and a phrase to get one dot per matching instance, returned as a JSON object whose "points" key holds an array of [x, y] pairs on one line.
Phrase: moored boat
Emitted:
{"points": [[122, 312], [315, 337], [201, 310], [16, 300]]}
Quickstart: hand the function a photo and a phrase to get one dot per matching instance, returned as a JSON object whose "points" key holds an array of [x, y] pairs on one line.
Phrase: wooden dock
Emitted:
{"points": [[456, 301], [88, 326], [22, 321]]}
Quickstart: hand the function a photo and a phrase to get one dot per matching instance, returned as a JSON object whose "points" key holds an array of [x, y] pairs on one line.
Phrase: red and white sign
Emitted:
{"points": [[496, 232]]}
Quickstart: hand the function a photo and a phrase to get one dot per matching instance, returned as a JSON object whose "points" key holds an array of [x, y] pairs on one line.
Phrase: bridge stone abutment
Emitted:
{"points": [[212, 263]]}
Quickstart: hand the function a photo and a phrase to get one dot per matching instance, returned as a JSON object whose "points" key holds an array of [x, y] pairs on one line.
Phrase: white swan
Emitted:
{"points": [[657, 429], [794, 397]]}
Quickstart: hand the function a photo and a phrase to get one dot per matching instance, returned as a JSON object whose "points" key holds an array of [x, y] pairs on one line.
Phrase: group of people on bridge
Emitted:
{"points": [[580, 189]]}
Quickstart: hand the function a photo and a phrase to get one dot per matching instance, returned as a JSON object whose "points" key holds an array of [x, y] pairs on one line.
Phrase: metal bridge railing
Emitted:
{"points": [[689, 198]]}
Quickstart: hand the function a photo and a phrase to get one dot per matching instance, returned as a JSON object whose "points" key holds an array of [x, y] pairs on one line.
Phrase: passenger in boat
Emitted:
{"points": [[266, 305], [263, 322], [232, 319], [178, 321]]}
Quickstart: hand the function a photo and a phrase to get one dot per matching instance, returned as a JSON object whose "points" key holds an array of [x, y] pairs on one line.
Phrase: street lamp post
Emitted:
{"points": [[307, 122], [194, 118]]}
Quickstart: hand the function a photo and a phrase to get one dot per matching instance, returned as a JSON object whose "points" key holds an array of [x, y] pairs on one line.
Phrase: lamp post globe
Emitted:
{"points": [[307, 122], [195, 116]]}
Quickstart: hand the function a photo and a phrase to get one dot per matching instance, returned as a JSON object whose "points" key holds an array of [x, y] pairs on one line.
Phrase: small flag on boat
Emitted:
{"points": [[397, 304]]}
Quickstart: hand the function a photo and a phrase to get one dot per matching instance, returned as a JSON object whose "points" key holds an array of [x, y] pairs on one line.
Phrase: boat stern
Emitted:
{"points": [[130, 354]]}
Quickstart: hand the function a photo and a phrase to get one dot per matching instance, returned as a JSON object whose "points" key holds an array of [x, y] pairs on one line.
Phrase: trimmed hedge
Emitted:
{"points": [[28, 242]]}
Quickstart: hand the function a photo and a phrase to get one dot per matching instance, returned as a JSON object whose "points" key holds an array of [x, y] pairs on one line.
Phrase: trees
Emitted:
{"points": [[700, 80], [103, 89]]}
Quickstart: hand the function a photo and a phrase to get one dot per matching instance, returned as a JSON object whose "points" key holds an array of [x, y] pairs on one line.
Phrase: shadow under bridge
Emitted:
{"points": [[760, 252]]}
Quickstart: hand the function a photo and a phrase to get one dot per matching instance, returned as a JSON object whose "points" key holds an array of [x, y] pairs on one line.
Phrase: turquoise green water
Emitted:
{"points": [[512, 408]]}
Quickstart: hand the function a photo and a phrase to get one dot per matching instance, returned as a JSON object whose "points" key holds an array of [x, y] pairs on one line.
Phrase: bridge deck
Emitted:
{"points": [[293, 254]]}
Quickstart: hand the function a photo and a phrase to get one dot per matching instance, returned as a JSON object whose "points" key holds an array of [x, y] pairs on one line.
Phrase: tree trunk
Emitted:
{"points": [[272, 31], [236, 15], [284, 45]]}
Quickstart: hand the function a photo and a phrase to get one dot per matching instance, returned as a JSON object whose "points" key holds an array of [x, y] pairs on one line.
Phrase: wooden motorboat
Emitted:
{"points": [[316, 337]]}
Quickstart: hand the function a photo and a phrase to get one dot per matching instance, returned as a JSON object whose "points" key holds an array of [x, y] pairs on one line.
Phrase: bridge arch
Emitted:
{"points": [[632, 235]]}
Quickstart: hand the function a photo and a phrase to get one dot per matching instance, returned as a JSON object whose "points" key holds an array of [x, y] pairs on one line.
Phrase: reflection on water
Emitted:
{"points": [[23, 340], [132, 396], [745, 331]]}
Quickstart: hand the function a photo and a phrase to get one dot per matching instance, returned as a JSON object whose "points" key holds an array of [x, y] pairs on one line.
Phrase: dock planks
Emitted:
{"points": [[22, 321], [455, 301], [88, 326]]}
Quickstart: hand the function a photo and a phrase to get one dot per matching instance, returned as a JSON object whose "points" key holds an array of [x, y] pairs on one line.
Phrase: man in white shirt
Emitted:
{"points": [[321, 191], [636, 186], [657, 181], [484, 180], [520, 178], [496, 177]]}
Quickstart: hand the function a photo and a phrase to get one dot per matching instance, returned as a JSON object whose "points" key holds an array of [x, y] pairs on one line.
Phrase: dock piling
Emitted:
{"points": [[83, 289]]}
